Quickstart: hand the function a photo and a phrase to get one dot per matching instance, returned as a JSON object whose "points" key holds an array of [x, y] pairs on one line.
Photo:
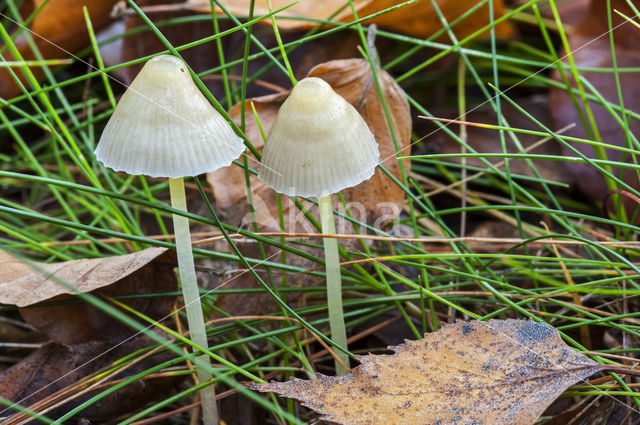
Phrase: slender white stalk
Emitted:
{"points": [[195, 317], [334, 282]]}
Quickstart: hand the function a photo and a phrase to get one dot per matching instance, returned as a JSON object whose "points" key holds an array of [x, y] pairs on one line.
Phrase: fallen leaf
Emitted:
{"points": [[590, 49], [67, 320], [23, 283], [377, 201], [58, 28], [496, 372], [418, 19], [53, 368]]}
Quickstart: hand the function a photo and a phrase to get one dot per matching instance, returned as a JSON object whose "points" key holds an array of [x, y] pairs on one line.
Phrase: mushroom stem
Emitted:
{"points": [[334, 282], [195, 317]]}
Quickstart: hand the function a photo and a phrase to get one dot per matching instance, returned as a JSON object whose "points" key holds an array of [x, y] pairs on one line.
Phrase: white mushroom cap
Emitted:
{"points": [[163, 126], [318, 145]]}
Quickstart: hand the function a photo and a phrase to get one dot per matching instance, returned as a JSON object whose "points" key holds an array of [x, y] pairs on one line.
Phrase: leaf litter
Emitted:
{"points": [[27, 285], [496, 372], [55, 374], [84, 336], [468, 368], [418, 19]]}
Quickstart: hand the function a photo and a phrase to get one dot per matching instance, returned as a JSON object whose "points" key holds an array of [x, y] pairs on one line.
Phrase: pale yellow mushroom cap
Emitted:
{"points": [[163, 126], [318, 145]]}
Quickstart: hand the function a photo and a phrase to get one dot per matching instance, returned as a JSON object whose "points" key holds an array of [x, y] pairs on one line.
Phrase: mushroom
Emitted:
{"points": [[163, 126], [318, 145]]}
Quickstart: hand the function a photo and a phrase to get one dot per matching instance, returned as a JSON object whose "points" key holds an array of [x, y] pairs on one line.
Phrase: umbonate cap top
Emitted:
{"points": [[163, 126], [319, 144]]}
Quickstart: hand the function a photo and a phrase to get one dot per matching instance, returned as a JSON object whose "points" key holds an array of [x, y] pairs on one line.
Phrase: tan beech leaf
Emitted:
{"points": [[497, 372], [144, 272], [418, 19], [22, 284]]}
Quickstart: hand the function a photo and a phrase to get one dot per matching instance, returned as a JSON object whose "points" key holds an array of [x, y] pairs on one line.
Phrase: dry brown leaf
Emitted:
{"points": [[24, 284], [144, 272], [497, 372], [59, 28], [54, 367], [376, 201], [418, 19]]}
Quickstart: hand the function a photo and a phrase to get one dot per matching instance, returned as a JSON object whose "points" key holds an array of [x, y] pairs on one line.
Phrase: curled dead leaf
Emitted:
{"points": [[67, 320], [497, 372]]}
